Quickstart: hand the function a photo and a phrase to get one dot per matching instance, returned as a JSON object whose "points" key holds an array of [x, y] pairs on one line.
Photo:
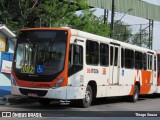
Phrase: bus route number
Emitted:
{"points": [[28, 69]]}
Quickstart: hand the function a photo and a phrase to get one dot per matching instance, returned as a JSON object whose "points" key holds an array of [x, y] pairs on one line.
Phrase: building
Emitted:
{"points": [[7, 40]]}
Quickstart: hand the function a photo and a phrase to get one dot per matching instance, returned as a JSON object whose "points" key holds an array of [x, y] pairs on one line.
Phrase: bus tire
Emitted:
{"points": [[44, 102], [86, 102], [135, 95]]}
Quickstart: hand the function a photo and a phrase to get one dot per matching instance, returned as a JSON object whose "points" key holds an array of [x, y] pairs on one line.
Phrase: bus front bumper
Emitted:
{"points": [[62, 93]]}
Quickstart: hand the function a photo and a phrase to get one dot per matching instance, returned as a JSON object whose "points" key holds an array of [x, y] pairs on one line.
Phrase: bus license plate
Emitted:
{"points": [[32, 95]]}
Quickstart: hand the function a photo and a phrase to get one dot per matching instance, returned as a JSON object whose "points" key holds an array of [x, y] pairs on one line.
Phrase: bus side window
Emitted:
{"points": [[144, 61], [129, 58], [92, 52], [77, 55], [75, 62], [104, 54], [122, 58], [155, 66], [149, 62], [111, 55], [138, 60], [151, 65], [116, 57], [70, 58], [158, 62]]}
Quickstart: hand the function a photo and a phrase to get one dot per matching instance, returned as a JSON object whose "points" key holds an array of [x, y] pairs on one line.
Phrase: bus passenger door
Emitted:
{"points": [[150, 69], [114, 64]]}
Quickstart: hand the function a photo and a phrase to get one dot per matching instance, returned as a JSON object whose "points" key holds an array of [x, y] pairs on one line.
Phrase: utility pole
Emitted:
{"points": [[141, 34], [152, 34], [105, 14], [149, 43], [112, 20]]}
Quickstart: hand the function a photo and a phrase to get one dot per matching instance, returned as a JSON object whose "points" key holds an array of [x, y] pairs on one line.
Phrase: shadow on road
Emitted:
{"points": [[34, 105]]}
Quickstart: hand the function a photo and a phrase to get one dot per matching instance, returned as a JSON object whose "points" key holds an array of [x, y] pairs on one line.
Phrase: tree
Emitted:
{"points": [[140, 39], [89, 22], [67, 16], [58, 12], [17, 14], [122, 32]]}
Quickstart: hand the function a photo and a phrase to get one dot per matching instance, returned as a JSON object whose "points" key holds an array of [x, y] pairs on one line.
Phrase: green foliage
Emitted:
{"points": [[88, 22], [54, 13], [122, 32], [141, 39], [17, 14]]}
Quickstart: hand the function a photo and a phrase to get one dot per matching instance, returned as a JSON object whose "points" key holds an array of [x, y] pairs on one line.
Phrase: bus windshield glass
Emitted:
{"points": [[40, 52]]}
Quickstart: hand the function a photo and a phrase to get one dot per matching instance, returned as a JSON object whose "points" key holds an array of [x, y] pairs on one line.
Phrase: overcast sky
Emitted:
{"points": [[128, 19]]}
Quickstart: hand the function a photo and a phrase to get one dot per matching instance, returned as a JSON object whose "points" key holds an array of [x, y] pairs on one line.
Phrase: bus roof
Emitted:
{"points": [[90, 36]]}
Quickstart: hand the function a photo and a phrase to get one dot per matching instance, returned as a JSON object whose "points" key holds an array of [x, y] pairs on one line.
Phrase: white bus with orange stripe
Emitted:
{"points": [[68, 64]]}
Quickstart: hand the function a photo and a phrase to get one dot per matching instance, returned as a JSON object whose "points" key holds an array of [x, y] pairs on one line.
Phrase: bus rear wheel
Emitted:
{"points": [[86, 102], [135, 95]]}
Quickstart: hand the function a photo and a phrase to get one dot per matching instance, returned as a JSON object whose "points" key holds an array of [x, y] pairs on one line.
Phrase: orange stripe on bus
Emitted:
{"points": [[158, 81], [146, 80], [145, 85], [132, 88]]}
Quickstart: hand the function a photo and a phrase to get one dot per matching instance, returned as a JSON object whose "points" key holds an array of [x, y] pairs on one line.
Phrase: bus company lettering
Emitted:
{"points": [[92, 70]]}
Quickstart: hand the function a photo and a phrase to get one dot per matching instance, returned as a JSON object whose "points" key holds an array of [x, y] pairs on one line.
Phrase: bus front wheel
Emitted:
{"points": [[86, 102]]}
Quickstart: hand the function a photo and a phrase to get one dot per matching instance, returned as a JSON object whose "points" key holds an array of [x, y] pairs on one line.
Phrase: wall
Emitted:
{"points": [[5, 83]]}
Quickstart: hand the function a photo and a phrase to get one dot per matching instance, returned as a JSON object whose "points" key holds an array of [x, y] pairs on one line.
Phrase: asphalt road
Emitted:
{"points": [[146, 106]]}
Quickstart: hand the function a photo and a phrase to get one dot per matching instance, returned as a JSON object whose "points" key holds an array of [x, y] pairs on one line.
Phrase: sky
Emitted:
{"points": [[128, 19]]}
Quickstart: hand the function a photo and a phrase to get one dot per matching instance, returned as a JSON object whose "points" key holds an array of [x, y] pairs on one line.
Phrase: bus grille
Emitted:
{"points": [[38, 92]]}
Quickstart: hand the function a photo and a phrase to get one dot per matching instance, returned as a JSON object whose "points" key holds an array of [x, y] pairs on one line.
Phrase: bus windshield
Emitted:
{"points": [[40, 52]]}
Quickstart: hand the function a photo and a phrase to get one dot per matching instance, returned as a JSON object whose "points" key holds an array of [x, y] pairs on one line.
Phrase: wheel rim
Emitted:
{"points": [[87, 97], [136, 96]]}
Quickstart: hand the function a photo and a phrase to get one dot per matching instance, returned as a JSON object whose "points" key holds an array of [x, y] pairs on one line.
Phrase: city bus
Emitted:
{"points": [[72, 65]]}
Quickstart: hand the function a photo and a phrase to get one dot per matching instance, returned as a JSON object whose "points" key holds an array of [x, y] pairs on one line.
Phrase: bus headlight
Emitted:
{"points": [[13, 81], [59, 82]]}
